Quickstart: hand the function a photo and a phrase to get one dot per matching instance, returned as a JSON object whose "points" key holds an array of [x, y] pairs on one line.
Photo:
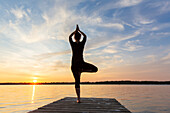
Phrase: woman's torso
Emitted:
{"points": [[77, 53]]}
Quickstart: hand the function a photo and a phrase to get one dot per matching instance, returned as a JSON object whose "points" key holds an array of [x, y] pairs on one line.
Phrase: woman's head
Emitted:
{"points": [[77, 36]]}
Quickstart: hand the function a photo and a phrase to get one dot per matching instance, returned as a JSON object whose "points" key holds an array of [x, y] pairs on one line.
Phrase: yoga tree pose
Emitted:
{"points": [[78, 64]]}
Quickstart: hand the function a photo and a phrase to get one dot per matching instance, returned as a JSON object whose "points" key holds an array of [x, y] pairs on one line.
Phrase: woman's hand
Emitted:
{"points": [[77, 28]]}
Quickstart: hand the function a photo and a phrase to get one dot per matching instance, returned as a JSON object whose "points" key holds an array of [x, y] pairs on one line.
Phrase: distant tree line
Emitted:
{"points": [[98, 82]]}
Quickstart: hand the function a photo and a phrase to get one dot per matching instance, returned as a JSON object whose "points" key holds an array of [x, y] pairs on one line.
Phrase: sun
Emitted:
{"points": [[35, 81]]}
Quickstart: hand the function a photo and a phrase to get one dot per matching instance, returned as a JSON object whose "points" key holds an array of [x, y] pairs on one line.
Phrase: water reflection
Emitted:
{"points": [[33, 93]]}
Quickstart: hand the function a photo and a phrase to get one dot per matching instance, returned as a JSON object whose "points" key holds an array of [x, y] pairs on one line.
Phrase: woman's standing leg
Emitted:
{"points": [[77, 84], [78, 94]]}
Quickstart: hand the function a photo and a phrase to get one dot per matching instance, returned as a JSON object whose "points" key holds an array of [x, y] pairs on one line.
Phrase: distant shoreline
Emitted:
{"points": [[97, 83]]}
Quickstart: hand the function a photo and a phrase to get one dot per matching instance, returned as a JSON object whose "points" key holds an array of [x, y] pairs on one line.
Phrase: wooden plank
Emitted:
{"points": [[87, 105]]}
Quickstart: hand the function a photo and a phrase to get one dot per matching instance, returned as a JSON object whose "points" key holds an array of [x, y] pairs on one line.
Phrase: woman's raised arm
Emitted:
{"points": [[70, 37], [84, 35]]}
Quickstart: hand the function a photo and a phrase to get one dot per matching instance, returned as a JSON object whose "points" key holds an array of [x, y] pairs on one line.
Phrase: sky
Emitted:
{"points": [[126, 39]]}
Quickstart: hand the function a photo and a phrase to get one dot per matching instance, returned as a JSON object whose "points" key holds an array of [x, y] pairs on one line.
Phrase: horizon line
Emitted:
{"points": [[87, 82]]}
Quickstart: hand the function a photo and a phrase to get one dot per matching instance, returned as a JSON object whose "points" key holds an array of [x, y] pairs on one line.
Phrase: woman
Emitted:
{"points": [[78, 63]]}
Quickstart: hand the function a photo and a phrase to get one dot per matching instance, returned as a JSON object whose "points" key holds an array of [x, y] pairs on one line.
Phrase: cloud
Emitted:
{"points": [[119, 4], [132, 45], [144, 21], [48, 55], [160, 34], [127, 3], [150, 59], [59, 66], [140, 20], [105, 40], [56, 23], [118, 59], [19, 13], [166, 59], [109, 49], [113, 25], [161, 6], [49, 26], [125, 23], [161, 26]]}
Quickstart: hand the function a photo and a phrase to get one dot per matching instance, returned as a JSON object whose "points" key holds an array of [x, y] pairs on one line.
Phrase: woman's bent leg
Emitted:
{"points": [[87, 67]]}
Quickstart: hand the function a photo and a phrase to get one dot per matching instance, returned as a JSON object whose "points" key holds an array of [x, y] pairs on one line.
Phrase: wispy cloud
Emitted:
{"points": [[161, 6], [119, 4], [113, 25], [106, 40], [117, 59], [132, 45], [20, 13], [48, 55], [127, 3], [166, 59], [109, 49], [150, 58]]}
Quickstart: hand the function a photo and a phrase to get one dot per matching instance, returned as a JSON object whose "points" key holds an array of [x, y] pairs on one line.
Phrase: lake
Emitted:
{"points": [[137, 98]]}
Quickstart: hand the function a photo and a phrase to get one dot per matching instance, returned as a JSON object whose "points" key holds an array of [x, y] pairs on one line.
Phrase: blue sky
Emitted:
{"points": [[127, 39]]}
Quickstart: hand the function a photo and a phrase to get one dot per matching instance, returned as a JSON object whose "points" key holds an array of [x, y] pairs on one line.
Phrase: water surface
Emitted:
{"points": [[137, 98]]}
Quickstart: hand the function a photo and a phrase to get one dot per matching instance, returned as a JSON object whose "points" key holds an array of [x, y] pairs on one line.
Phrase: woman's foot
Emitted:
{"points": [[78, 101], [78, 94]]}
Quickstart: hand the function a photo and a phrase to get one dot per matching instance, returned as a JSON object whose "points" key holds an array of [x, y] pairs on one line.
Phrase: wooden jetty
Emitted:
{"points": [[87, 105]]}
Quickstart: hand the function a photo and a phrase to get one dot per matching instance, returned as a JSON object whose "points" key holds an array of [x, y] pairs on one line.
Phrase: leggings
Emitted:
{"points": [[78, 69]]}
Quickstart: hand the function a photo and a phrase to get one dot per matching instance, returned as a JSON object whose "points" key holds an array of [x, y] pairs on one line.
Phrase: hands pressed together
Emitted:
{"points": [[77, 30]]}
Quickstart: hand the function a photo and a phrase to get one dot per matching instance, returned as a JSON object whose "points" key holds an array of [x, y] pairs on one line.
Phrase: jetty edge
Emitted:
{"points": [[87, 105]]}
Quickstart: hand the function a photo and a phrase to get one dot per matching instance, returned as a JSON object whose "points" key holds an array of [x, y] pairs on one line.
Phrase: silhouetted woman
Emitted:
{"points": [[78, 63]]}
